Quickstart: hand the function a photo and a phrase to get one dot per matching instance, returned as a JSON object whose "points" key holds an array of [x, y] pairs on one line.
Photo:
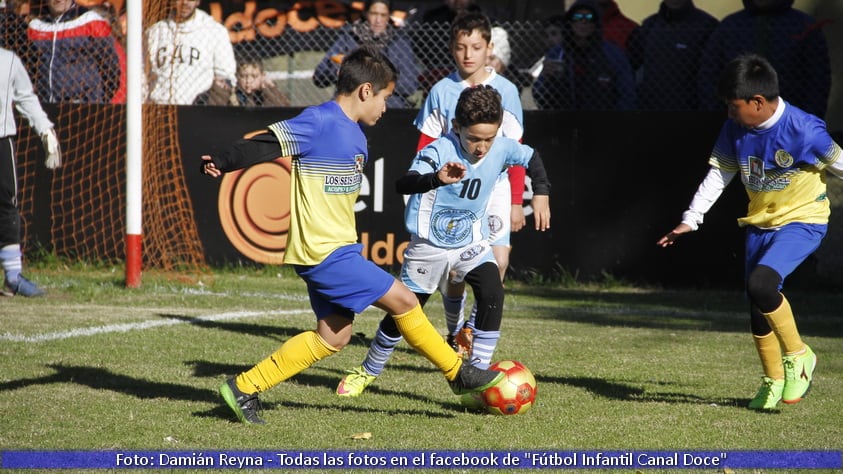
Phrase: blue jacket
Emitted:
{"points": [[666, 51], [597, 76], [76, 57], [398, 49], [790, 39]]}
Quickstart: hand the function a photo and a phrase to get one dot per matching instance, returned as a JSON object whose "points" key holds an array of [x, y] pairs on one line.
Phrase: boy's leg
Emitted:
{"points": [[296, 354], [423, 337], [778, 254], [383, 345], [769, 351], [489, 296]]}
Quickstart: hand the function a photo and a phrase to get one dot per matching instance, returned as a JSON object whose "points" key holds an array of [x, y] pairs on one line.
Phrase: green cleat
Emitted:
{"points": [[355, 382], [244, 405], [768, 395], [798, 374]]}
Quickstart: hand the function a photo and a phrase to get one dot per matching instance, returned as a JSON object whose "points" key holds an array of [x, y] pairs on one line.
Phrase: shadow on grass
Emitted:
{"points": [[625, 392], [311, 378], [816, 313], [104, 379]]}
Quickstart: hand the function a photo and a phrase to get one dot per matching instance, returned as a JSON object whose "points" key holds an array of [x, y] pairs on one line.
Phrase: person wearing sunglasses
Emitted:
{"points": [[585, 72]]}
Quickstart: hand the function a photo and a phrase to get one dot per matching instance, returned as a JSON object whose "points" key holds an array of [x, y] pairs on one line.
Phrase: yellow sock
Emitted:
{"points": [[298, 353], [771, 355], [783, 324], [422, 336]]}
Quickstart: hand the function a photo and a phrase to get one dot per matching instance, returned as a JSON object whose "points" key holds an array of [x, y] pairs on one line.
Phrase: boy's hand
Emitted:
{"points": [[209, 168], [541, 211], [517, 221], [451, 172], [673, 235]]}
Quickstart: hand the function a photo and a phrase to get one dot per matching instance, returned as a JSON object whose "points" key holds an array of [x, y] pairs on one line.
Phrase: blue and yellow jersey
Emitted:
{"points": [[329, 153], [450, 216], [782, 168]]}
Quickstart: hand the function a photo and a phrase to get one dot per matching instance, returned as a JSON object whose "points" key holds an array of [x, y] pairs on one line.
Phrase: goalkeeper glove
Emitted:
{"points": [[52, 149]]}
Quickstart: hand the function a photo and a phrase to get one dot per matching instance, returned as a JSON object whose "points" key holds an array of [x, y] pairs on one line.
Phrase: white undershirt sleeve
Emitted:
{"points": [[707, 194], [836, 168]]}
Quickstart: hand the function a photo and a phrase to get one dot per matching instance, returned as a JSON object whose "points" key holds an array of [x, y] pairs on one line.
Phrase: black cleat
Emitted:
{"points": [[471, 379], [244, 405]]}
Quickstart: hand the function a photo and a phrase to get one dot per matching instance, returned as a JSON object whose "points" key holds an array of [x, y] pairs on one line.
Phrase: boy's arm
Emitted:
{"points": [[242, 154], [538, 175], [414, 182], [541, 191], [708, 192]]}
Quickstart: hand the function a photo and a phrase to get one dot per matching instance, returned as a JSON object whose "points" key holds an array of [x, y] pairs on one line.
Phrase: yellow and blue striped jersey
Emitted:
{"points": [[329, 153], [782, 168]]}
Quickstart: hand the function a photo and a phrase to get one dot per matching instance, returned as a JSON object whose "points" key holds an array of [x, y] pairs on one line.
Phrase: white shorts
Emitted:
{"points": [[427, 267], [498, 212]]}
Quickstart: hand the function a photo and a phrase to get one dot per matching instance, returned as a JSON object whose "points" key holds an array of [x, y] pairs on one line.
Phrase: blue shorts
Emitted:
{"points": [[345, 283], [782, 249]]}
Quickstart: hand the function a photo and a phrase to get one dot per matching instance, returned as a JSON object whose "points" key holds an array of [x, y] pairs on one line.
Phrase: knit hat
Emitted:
{"points": [[500, 45]]}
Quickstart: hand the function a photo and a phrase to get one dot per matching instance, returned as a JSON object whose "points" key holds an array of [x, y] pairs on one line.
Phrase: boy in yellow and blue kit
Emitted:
{"points": [[781, 154], [329, 152]]}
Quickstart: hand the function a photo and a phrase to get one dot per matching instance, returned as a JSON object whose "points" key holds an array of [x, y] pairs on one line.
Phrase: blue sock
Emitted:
{"points": [[483, 347], [454, 314], [379, 352], [12, 261]]}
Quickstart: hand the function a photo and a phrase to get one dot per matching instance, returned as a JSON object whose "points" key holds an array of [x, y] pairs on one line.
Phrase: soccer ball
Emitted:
{"points": [[515, 393]]}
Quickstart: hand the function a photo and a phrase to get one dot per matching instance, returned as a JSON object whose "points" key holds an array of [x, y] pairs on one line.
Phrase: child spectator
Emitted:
{"points": [[254, 89]]}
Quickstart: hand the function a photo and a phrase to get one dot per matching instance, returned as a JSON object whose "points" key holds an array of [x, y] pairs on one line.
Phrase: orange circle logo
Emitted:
{"points": [[254, 208]]}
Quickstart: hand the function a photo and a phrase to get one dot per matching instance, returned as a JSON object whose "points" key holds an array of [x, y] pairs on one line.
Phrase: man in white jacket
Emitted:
{"points": [[16, 91], [188, 52]]}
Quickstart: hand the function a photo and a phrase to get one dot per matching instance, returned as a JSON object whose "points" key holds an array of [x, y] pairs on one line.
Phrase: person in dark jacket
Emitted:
{"points": [[374, 29], [78, 59], [790, 39], [585, 72], [666, 51]]}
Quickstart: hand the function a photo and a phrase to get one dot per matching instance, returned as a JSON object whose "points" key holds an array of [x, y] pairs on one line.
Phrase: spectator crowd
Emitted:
{"points": [[591, 57]]}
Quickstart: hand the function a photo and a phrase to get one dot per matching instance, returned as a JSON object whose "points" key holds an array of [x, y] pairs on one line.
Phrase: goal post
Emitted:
{"points": [[134, 143]]}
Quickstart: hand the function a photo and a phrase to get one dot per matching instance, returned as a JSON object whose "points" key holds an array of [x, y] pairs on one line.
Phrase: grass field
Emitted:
{"points": [[95, 366]]}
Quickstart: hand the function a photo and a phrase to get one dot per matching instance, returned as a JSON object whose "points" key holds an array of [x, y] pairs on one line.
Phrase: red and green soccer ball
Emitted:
{"points": [[513, 395]]}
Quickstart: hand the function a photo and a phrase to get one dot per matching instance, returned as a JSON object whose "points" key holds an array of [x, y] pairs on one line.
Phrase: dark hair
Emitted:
{"points": [[746, 76], [469, 21], [369, 4], [365, 64], [479, 104]]}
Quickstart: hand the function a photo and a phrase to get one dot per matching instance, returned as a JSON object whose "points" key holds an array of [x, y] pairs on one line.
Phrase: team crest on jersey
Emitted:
{"points": [[359, 163], [472, 253], [784, 159], [495, 223], [452, 226]]}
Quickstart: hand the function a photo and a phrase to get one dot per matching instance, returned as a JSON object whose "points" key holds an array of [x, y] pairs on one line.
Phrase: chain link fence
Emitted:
{"points": [[632, 81]]}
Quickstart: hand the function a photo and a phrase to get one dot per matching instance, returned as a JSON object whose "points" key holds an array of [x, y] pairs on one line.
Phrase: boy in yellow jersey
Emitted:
{"points": [[329, 151], [782, 155]]}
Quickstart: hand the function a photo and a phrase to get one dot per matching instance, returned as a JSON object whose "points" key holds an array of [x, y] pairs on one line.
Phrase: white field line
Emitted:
{"points": [[153, 323]]}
